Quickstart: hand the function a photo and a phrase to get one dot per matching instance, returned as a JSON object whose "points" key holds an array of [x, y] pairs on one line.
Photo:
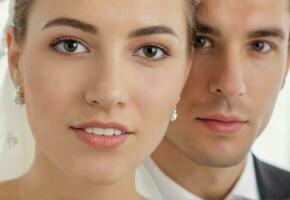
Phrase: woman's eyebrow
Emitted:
{"points": [[152, 30], [86, 27], [74, 23]]}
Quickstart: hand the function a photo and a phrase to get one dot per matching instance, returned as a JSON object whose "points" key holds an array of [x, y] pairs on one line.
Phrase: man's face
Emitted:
{"points": [[241, 61]]}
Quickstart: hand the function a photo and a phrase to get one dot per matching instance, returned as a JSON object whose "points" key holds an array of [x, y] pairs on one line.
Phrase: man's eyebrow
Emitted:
{"points": [[268, 32], [152, 30], [206, 29], [74, 23]]}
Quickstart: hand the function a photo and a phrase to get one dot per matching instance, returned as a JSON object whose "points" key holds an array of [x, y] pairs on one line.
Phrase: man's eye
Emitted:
{"points": [[261, 46], [69, 46], [151, 52], [202, 42]]}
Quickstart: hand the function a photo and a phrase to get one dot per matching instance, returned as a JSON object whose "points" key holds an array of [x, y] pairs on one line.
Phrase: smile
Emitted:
{"points": [[102, 135], [104, 132]]}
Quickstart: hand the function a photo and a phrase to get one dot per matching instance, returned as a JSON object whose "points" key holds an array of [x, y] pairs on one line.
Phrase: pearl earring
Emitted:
{"points": [[174, 116]]}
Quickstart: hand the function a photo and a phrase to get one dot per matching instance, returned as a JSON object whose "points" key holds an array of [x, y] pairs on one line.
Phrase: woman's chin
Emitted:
{"points": [[97, 176]]}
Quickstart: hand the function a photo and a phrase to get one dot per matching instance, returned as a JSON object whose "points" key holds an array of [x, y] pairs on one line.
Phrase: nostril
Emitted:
{"points": [[121, 104], [94, 102]]}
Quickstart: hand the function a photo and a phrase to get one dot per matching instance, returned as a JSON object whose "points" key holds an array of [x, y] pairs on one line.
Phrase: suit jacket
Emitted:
{"points": [[273, 182]]}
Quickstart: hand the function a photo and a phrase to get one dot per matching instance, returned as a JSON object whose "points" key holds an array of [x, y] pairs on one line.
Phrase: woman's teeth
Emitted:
{"points": [[103, 132]]}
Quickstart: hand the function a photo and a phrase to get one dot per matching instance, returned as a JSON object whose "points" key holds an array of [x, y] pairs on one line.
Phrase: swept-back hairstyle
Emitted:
{"points": [[22, 8]]}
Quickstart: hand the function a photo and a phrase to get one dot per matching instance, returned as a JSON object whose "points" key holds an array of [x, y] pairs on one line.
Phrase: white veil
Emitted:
{"points": [[16, 142], [3, 77]]}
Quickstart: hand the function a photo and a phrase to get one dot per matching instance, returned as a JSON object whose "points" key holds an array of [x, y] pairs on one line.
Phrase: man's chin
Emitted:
{"points": [[221, 161]]}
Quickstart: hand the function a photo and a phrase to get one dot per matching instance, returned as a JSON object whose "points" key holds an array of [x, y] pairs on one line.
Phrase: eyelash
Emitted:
{"points": [[164, 50], [204, 37], [66, 38], [270, 44], [59, 40]]}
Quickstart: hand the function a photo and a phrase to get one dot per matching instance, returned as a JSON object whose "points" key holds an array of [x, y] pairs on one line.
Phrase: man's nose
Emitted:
{"points": [[229, 79]]}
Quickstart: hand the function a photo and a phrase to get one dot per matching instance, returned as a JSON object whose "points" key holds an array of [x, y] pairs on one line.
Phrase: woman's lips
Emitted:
{"points": [[222, 125], [101, 141], [98, 124], [102, 135]]}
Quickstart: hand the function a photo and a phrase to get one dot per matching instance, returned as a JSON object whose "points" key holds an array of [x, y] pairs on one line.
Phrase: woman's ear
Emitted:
{"points": [[13, 57]]}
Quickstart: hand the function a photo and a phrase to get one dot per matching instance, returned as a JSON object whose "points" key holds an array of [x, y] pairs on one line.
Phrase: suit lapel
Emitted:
{"points": [[271, 182], [264, 185]]}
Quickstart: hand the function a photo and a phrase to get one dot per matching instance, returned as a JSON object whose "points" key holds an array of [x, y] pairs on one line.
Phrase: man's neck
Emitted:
{"points": [[207, 182]]}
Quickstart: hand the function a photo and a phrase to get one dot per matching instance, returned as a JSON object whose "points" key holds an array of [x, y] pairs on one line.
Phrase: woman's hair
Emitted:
{"points": [[22, 9]]}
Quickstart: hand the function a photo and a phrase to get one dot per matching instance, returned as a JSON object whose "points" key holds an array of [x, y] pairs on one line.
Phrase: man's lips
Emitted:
{"points": [[220, 124]]}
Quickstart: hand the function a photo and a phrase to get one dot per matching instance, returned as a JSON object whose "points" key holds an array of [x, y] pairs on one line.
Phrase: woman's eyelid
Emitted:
{"points": [[164, 48], [62, 39], [139, 52]]}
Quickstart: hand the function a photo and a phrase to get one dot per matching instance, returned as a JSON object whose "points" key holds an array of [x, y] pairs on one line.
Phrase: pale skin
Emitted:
{"points": [[108, 73], [241, 61]]}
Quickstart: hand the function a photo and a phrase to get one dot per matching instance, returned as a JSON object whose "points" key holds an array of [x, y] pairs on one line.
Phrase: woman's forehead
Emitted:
{"points": [[108, 8], [113, 16]]}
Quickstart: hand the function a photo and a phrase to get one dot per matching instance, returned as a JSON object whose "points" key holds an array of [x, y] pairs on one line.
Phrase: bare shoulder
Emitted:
{"points": [[8, 190]]}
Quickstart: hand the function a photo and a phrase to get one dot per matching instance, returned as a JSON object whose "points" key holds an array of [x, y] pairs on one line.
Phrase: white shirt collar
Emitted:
{"points": [[168, 188], [246, 187]]}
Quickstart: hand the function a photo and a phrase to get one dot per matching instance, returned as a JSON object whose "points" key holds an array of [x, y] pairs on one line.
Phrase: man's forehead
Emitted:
{"points": [[243, 8], [206, 4], [218, 16]]}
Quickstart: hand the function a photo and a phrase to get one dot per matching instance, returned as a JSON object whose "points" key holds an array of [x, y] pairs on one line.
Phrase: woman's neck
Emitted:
{"points": [[45, 180]]}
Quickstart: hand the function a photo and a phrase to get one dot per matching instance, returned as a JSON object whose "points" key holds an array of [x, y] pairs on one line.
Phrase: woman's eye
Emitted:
{"points": [[69, 46], [202, 42], [261, 46], [151, 52]]}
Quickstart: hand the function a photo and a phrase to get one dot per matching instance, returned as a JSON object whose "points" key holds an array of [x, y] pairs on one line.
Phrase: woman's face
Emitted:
{"points": [[101, 79]]}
